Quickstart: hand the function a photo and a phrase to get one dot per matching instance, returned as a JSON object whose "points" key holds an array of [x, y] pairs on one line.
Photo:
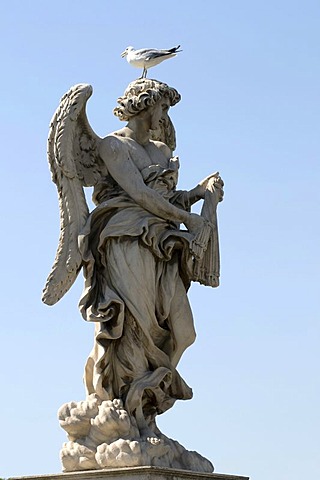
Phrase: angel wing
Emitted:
{"points": [[74, 163]]}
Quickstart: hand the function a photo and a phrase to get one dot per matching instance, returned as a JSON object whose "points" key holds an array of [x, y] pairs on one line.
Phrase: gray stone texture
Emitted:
{"points": [[138, 264], [136, 473]]}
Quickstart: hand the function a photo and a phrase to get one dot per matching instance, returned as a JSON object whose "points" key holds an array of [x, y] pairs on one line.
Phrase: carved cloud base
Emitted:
{"points": [[103, 435]]}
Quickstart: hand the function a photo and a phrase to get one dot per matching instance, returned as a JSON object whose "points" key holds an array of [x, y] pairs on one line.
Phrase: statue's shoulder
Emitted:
{"points": [[163, 147], [113, 145]]}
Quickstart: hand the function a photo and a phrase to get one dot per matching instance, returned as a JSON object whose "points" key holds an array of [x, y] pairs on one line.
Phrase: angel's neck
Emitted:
{"points": [[138, 131]]}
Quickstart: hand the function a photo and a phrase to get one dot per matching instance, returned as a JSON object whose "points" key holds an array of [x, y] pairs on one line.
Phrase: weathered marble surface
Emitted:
{"points": [[138, 264], [135, 473], [103, 435]]}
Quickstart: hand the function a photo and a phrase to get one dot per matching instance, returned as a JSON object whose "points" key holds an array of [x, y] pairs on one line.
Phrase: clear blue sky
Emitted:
{"points": [[249, 80]]}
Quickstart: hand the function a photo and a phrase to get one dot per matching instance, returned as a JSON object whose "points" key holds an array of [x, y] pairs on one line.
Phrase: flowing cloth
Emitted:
{"points": [[206, 269], [137, 269]]}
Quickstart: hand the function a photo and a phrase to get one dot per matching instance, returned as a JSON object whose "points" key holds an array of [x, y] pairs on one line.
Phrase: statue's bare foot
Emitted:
{"points": [[154, 440], [148, 435], [155, 447]]}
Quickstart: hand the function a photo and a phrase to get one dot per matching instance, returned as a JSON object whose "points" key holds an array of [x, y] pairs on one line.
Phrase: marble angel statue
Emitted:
{"points": [[138, 263]]}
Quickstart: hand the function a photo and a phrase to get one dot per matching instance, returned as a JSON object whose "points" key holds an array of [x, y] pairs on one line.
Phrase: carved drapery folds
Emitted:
{"points": [[138, 264]]}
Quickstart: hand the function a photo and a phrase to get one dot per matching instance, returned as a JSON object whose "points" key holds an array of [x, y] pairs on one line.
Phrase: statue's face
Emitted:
{"points": [[158, 111]]}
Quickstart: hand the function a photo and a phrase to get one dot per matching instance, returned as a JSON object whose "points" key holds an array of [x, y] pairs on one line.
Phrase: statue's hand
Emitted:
{"points": [[216, 180], [194, 223]]}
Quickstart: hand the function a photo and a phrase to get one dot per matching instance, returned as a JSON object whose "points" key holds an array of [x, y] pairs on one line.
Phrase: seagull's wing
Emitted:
{"points": [[152, 53], [144, 51], [157, 54]]}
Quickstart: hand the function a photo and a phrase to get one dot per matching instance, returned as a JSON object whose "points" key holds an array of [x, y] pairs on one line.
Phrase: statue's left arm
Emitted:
{"points": [[205, 247], [185, 199], [198, 192]]}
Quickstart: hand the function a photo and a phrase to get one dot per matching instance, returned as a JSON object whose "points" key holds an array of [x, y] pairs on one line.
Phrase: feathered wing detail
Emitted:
{"points": [[74, 163]]}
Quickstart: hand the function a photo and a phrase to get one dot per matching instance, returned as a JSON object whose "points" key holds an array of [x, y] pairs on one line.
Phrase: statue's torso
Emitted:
{"points": [[144, 155], [150, 159]]}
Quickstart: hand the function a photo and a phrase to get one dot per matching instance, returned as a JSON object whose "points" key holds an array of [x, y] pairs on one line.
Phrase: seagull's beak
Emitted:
{"points": [[124, 54]]}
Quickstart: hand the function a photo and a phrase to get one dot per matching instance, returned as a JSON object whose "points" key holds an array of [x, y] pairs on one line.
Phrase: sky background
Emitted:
{"points": [[249, 80]]}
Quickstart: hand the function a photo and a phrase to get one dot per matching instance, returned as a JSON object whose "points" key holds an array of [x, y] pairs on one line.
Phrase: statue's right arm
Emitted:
{"points": [[115, 155]]}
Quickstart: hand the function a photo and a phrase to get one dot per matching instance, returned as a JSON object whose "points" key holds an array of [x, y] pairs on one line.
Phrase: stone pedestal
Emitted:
{"points": [[134, 473]]}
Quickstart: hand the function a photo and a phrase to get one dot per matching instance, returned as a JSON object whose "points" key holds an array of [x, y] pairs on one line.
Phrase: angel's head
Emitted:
{"points": [[143, 94]]}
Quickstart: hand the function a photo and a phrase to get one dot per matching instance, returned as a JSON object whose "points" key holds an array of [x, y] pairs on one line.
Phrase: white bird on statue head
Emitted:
{"points": [[148, 57]]}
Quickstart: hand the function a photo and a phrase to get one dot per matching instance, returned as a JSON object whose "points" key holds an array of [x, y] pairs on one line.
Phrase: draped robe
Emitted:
{"points": [[137, 267]]}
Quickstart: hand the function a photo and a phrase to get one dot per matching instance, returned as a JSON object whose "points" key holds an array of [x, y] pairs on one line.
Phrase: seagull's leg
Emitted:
{"points": [[144, 73]]}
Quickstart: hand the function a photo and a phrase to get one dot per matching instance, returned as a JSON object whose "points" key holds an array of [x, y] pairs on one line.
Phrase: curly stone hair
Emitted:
{"points": [[141, 94]]}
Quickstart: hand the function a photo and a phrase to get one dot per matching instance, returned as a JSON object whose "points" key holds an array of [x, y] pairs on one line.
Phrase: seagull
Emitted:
{"points": [[148, 57]]}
